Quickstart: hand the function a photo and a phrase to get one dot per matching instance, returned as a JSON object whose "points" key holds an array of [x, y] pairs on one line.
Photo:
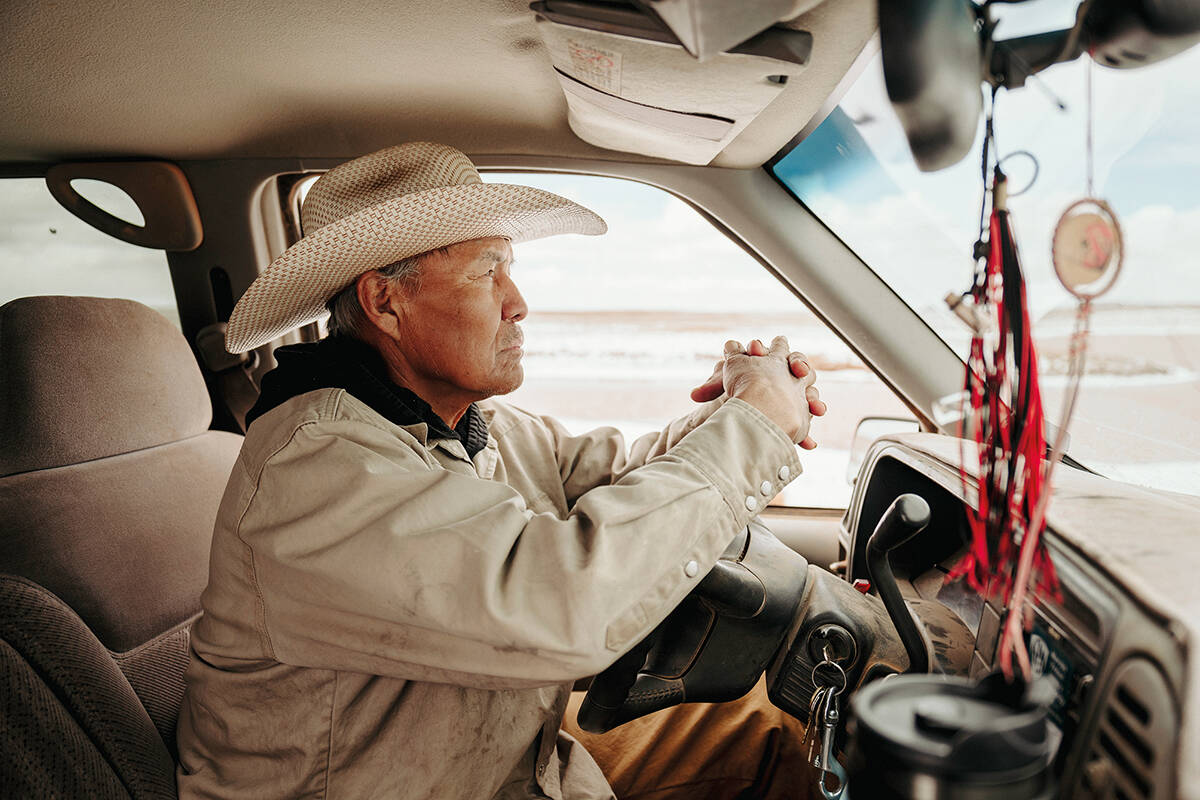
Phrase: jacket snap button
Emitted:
{"points": [[691, 569], [765, 488], [751, 503], [784, 473]]}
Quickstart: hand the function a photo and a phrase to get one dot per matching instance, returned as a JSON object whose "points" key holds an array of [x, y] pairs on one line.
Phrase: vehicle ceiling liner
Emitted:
{"points": [[632, 85], [290, 80]]}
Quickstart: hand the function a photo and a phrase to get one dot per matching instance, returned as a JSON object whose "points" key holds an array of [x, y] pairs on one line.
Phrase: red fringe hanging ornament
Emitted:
{"points": [[1006, 406]]}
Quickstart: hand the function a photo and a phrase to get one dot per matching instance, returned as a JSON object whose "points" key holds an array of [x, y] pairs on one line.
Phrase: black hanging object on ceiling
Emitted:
{"points": [[938, 53]]}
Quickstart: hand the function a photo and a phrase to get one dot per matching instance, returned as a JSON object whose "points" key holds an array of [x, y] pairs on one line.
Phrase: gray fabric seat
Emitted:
{"points": [[109, 487]]}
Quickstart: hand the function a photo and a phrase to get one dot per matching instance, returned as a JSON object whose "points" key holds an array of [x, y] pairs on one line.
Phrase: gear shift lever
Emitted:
{"points": [[905, 518]]}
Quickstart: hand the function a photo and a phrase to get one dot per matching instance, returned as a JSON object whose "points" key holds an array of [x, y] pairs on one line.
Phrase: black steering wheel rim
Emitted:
{"points": [[715, 644]]}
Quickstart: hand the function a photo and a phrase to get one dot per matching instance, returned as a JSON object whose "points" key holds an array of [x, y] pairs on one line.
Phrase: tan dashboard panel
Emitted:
{"points": [[1142, 541]]}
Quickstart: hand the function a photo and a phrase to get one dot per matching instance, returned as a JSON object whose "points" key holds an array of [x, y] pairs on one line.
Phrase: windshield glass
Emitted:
{"points": [[1137, 418]]}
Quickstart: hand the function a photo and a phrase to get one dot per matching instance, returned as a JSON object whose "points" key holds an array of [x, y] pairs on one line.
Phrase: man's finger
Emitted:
{"points": [[712, 387], [779, 347], [815, 404], [733, 348], [708, 391], [809, 443], [799, 365], [756, 348]]}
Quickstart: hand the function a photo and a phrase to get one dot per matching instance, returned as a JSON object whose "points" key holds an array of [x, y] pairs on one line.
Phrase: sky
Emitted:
{"points": [[916, 229], [1136, 419], [646, 226]]}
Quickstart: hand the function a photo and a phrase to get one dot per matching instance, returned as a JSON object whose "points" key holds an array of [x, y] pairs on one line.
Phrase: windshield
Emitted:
{"points": [[1137, 415]]}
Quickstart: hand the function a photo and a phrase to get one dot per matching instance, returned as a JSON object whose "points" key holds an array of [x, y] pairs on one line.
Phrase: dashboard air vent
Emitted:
{"points": [[1131, 756]]}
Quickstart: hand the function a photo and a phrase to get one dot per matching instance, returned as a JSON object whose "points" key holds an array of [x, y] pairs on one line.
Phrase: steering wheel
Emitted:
{"points": [[714, 646], [761, 608]]}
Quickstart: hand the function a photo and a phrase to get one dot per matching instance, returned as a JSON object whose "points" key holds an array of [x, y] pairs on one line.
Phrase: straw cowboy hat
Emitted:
{"points": [[383, 207]]}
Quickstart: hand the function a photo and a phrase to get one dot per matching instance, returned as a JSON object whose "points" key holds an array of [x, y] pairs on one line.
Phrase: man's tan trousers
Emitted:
{"points": [[746, 748]]}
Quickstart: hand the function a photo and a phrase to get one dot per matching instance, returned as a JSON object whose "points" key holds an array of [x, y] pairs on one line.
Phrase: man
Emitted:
{"points": [[405, 579]]}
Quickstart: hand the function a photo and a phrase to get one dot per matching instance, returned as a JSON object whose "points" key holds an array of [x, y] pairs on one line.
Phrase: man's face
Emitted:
{"points": [[458, 334]]}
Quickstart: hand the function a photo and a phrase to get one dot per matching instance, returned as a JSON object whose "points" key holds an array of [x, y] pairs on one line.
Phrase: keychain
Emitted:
{"points": [[824, 716]]}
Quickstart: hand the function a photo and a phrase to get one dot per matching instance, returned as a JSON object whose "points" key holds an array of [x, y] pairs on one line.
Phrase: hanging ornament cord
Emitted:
{"points": [[984, 382], [1012, 639], [1005, 398], [982, 389], [1004, 393]]}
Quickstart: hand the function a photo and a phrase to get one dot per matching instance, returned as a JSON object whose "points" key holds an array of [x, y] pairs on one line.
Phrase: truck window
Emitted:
{"points": [[45, 250], [622, 326]]}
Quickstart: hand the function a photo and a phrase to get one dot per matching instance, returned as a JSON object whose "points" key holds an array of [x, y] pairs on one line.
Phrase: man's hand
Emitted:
{"points": [[769, 389]]}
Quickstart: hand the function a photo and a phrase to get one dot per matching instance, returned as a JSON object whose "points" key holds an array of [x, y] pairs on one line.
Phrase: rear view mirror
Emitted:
{"points": [[934, 54], [869, 429], [932, 65]]}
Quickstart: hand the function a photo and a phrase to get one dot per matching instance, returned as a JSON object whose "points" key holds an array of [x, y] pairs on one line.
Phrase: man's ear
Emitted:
{"points": [[379, 297]]}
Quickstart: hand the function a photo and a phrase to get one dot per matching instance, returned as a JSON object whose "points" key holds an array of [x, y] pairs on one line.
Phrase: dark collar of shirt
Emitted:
{"points": [[340, 362]]}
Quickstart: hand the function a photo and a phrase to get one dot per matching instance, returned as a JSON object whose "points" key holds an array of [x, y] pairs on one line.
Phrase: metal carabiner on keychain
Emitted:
{"points": [[835, 769], [830, 717]]}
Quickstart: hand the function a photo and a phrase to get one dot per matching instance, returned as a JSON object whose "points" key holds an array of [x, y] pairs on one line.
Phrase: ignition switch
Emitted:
{"points": [[834, 642]]}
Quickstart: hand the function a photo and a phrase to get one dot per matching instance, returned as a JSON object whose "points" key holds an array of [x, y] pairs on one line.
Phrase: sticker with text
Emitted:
{"points": [[595, 66]]}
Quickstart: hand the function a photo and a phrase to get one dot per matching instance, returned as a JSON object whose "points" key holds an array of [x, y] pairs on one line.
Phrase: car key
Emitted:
{"points": [[815, 708]]}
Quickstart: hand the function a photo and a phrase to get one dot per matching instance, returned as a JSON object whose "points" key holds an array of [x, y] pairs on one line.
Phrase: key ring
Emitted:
{"points": [[840, 673]]}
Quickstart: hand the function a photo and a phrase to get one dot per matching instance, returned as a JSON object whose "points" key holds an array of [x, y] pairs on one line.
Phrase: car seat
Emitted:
{"points": [[109, 486]]}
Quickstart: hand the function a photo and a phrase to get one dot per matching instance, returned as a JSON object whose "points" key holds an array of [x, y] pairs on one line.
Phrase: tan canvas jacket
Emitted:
{"points": [[386, 617]]}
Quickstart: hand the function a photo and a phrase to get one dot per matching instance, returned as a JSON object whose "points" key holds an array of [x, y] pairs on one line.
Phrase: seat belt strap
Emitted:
{"points": [[234, 371]]}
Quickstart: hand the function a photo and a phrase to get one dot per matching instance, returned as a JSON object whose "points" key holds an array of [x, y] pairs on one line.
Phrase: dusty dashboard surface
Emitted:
{"points": [[1115, 642]]}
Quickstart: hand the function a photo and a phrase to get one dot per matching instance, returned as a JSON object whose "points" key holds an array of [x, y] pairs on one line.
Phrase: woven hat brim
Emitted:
{"points": [[293, 291]]}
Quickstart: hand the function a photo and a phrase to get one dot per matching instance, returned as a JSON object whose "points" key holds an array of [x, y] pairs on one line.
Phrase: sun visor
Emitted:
{"points": [[651, 97]]}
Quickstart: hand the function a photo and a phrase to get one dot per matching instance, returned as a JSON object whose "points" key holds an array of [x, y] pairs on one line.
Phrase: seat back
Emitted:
{"points": [[109, 486], [70, 723]]}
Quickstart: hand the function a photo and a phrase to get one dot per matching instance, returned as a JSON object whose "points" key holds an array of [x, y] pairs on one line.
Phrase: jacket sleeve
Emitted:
{"points": [[599, 458], [381, 562]]}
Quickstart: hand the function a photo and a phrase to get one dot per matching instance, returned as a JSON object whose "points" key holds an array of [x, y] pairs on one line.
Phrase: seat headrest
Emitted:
{"points": [[89, 377]]}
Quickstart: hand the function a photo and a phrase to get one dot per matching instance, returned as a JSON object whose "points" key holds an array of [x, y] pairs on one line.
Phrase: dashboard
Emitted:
{"points": [[1119, 664]]}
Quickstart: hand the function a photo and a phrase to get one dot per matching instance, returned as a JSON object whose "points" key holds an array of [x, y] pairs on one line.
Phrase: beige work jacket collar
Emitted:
{"points": [[339, 362]]}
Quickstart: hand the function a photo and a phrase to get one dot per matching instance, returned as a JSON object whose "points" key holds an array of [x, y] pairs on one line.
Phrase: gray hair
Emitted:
{"points": [[346, 315]]}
